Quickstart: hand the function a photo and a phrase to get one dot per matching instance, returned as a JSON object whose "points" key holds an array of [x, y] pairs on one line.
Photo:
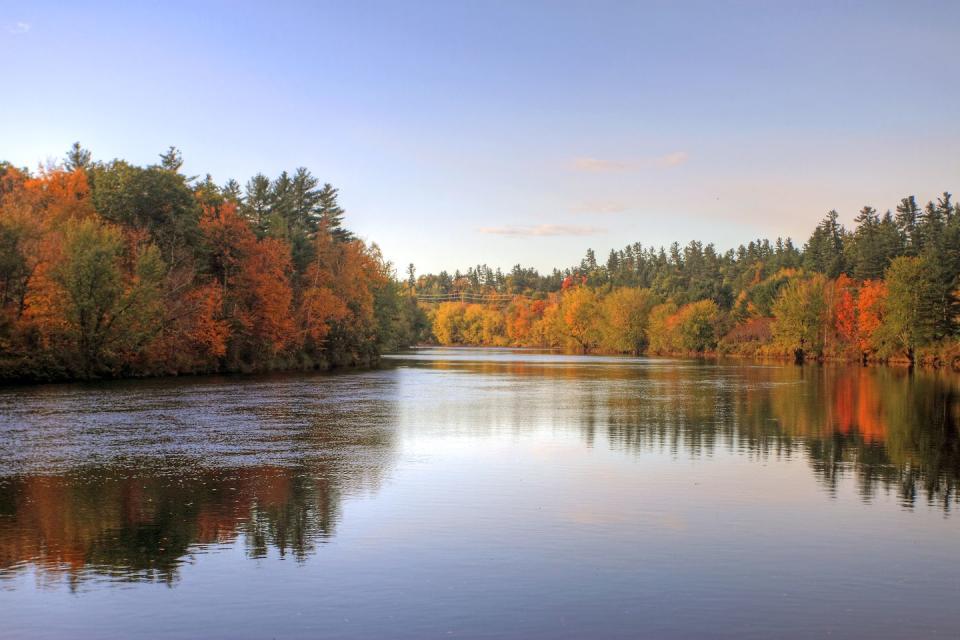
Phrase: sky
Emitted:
{"points": [[511, 132]]}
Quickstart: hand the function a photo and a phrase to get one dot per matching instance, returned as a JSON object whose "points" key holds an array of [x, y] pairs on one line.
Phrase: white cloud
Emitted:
{"points": [[19, 27], [542, 230], [600, 165]]}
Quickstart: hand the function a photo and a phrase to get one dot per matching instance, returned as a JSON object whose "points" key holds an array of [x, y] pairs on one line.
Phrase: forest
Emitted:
{"points": [[108, 269], [887, 290]]}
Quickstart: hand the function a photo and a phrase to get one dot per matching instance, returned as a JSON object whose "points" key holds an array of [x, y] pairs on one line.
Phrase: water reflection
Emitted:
{"points": [[130, 481], [127, 481], [891, 429], [137, 527]]}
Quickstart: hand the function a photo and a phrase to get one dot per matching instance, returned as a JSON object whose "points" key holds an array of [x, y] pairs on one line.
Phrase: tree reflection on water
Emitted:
{"points": [[141, 517]]}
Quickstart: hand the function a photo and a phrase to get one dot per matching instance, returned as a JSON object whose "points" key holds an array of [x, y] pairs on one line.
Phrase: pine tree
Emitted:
{"points": [[282, 206], [824, 250], [305, 198], [208, 192], [171, 159], [331, 214], [865, 251], [907, 218], [77, 158], [256, 203], [231, 191]]}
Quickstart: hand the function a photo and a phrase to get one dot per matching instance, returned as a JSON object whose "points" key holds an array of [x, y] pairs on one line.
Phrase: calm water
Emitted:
{"points": [[485, 494]]}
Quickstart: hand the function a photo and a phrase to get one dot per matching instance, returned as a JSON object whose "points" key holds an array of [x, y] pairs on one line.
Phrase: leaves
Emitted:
{"points": [[112, 269]]}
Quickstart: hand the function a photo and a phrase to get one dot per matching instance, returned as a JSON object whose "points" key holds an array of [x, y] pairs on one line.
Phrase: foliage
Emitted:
{"points": [[799, 316], [111, 269]]}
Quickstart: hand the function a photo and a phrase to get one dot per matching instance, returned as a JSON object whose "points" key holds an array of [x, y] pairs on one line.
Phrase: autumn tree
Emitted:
{"points": [[254, 275], [521, 316], [696, 325], [88, 307], [448, 322], [842, 302], [871, 312], [800, 315], [661, 329], [580, 311], [625, 313]]}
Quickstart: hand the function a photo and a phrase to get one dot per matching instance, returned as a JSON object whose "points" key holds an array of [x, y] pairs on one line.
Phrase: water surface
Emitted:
{"points": [[485, 494]]}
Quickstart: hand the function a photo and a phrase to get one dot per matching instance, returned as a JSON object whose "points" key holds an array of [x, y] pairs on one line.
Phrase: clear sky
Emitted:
{"points": [[463, 132]]}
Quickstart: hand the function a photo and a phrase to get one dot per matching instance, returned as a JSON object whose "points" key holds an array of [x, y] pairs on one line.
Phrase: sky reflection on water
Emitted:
{"points": [[485, 493]]}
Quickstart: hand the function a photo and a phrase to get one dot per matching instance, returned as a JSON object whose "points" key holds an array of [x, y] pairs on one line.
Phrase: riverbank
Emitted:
{"points": [[943, 357], [15, 373]]}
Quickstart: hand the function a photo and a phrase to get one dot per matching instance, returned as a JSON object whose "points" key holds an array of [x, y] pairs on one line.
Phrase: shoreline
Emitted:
{"points": [[375, 363]]}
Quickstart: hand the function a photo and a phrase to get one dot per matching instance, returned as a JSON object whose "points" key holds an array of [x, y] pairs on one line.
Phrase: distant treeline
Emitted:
{"points": [[111, 269], [888, 289]]}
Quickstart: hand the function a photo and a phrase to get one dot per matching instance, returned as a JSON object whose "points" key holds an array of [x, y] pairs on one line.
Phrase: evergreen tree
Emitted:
{"points": [[208, 193], [912, 303], [77, 158], [874, 243], [330, 214], [232, 191], [305, 198], [281, 206], [824, 250], [256, 203], [171, 159], [907, 218]]}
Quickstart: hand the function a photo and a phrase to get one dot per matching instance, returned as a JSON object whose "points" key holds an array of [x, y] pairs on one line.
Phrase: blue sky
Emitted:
{"points": [[510, 132]]}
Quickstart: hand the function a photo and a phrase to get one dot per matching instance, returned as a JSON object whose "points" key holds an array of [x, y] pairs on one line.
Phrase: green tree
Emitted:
{"points": [[305, 200], [256, 203], [697, 325], [77, 158], [874, 243], [282, 209], [411, 276], [231, 191], [107, 313], [152, 198], [800, 316], [824, 250], [911, 305], [171, 160], [625, 316], [330, 213], [908, 214]]}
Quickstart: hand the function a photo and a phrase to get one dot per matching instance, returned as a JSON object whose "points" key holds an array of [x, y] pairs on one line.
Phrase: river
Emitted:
{"points": [[484, 493]]}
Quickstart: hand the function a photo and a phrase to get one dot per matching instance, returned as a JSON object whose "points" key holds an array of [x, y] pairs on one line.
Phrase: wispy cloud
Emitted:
{"points": [[607, 206], [542, 230], [18, 28], [601, 165]]}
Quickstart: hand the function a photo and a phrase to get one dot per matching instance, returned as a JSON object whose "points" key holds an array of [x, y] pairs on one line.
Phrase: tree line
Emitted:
{"points": [[113, 269], [885, 290]]}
